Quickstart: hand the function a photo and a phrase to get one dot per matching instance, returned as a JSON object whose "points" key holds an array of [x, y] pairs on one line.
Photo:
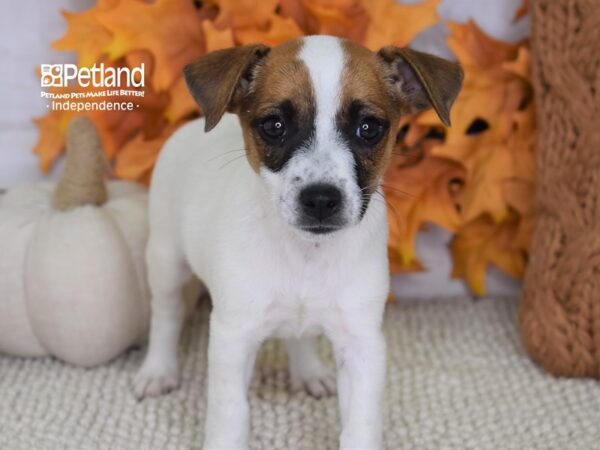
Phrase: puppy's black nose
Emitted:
{"points": [[320, 201]]}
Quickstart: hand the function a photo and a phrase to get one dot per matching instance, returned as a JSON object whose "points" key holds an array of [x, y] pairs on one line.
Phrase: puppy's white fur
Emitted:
{"points": [[211, 215]]}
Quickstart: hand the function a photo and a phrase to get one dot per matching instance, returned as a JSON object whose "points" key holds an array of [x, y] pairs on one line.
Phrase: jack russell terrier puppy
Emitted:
{"points": [[276, 211]]}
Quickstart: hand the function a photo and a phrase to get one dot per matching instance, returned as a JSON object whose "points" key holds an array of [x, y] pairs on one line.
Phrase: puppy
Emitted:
{"points": [[280, 212]]}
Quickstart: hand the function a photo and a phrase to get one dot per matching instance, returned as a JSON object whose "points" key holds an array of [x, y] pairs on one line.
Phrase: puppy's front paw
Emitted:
{"points": [[317, 382], [152, 382]]}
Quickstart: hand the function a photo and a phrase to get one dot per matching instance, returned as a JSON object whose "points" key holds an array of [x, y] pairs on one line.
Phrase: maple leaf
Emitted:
{"points": [[494, 92], [243, 13], [522, 11], [417, 193], [295, 10], [519, 195], [118, 126], [170, 29], [280, 30], [137, 158], [181, 103], [335, 17], [487, 165], [51, 139], [216, 39], [85, 35], [482, 242], [344, 18], [492, 139], [521, 65], [387, 15]]}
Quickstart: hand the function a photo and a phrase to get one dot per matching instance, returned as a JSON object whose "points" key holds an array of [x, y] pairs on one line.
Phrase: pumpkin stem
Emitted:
{"points": [[82, 182]]}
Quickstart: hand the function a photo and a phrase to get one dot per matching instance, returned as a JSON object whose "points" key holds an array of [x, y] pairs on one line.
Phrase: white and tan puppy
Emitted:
{"points": [[276, 210]]}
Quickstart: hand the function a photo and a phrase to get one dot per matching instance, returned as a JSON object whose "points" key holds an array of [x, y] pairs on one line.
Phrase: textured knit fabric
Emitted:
{"points": [[458, 379], [560, 311]]}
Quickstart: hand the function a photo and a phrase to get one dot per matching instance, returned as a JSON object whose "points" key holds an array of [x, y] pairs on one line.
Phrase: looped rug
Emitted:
{"points": [[458, 379]]}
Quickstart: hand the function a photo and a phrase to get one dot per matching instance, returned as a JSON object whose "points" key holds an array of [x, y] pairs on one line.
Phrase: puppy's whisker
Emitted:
{"points": [[399, 191], [220, 155], [232, 160], [373, 186], [382, 198], [387, 186]]}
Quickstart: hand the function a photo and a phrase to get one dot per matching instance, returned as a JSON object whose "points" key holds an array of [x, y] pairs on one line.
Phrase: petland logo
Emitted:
{"points": [[96, 88], [60, 75]]}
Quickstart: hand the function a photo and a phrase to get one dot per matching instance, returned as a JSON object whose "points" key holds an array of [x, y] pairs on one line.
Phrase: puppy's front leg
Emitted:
{"points": [[231, 353], [167, 272], [361, 360]]}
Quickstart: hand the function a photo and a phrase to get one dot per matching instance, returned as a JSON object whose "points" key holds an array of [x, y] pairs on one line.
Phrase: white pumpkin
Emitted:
{"points": [[72, 269]]}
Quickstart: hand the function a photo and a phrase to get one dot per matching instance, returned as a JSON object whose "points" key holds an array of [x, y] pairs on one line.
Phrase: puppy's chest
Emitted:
{"points": [[295, 317], [304, 298]]}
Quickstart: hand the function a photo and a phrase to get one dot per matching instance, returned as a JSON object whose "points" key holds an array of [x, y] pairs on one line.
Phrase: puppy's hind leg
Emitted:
{"points": [[167, 273], [307, 370]]}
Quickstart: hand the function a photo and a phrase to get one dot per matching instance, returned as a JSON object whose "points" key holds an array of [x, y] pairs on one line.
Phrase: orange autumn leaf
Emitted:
{"points": [[490, 91], [138, 57], [345, 18], [85, 35], [170, 29], [243, 13], [474, 48], [522, 145], [181, 103], [519, 195], [522, 11], [215, 38], [295, 10], [280, 30], [115, 129], [386, 15], [521, 65], [483, 242], [419, 193], [137, 157], [492, 139], [487, 165], [51, 139]]}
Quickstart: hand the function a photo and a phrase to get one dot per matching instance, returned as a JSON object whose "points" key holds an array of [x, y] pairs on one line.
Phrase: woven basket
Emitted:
{"points": [[559, 312]]}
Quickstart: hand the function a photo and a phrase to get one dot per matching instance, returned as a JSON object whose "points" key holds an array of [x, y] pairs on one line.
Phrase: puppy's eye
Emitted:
{"points": [[272, 129], [370, 130]]}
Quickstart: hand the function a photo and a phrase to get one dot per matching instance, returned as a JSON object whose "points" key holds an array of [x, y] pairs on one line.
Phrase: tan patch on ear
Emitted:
{"points": [[423, 80], [281, 76], [363, 80]]}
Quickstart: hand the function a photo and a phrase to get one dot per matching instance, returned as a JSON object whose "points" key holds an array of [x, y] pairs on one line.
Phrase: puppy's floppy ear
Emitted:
{"points": [[218, 80], [420, 80]]}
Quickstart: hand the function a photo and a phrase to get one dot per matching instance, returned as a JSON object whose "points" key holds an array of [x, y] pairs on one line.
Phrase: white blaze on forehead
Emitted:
{"points": [[325, 60]]}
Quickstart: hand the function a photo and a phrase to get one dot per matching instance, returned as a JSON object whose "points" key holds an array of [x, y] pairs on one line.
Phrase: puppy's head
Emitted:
{"points": [[320, 117]]}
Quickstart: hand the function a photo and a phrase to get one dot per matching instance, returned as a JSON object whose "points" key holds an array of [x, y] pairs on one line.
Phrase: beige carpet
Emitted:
{"points": [[458, 379]]}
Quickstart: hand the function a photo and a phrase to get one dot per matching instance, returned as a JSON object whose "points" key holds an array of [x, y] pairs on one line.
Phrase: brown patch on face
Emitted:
{"points": [[281, 88], [365, 96]]}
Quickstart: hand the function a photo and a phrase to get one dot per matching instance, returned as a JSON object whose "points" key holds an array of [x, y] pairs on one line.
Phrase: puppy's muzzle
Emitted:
{"points": [[321, 206]]}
